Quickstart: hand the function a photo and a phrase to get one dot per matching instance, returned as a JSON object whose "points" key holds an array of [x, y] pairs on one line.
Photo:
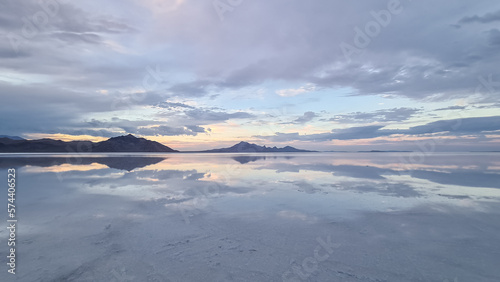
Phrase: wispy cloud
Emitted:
{"points": [[305, 118], [297, 91], [455, 127], [388, 115], [486, 18]]}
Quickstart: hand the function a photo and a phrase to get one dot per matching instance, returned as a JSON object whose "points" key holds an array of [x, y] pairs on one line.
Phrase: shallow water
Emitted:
{"points": [[255, 217]]}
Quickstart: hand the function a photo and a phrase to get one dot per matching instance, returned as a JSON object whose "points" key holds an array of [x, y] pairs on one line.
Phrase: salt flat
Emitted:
{"points": [[256, 217]]}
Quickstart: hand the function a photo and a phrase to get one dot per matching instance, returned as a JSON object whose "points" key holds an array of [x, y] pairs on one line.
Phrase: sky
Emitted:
{"points": [[196, 74]]}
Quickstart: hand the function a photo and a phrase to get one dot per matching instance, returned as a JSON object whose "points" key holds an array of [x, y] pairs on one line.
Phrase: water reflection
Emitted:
{"points": [[246, 159], [119, 162], [474, 170], [221, 211]]}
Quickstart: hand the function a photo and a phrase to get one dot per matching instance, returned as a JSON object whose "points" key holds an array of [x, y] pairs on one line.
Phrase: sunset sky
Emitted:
{"points": [[195, 74]]}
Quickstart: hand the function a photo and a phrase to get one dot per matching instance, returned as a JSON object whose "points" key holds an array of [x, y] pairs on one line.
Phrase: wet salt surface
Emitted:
{"points": [[256, 217]]}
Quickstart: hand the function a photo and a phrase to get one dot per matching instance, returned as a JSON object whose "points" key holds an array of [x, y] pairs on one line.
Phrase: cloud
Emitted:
{"points": [[294, 92], [121, 39], [488, 106], [171, 131], [306, 117], [213, 116], [307, 49], [486, 18], [387, 115], [67, 112], [71, 37], [452, 108], [142, 127], [475, 125], [171, 105], [494, 37], [455, 127], [44, 109], [336, 134], [197, 129], [86, 42], [190, 89]]}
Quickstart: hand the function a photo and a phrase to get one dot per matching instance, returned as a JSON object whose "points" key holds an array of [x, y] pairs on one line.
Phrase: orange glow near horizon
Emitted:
{"points": [[65, 137], [66, 168]]}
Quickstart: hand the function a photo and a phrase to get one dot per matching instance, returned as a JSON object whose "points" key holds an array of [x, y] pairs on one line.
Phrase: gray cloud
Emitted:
{"points": [[301, 44], [190, 89], [418, 66], [456, 127], [488, 106], [212, 116], [7, 52], [452, 108], [486, 18], [198, 129], [71, 37], [475, 125], [306, 117], [494, 37], [171, 131], [396, 114], [148, 127], [336, 134], [79, 36], [171, 105], [47, 109], [40, 108]]}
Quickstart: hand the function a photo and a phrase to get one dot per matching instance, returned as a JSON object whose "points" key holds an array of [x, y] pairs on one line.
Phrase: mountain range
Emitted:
{"points": [[11, 137], [127, 143], [245, 147]]}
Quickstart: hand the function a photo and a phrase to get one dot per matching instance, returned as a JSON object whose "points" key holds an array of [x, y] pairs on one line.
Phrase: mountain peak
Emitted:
{"points": [[128, 136], [12, 137], [125, 143], [130, 143], [125, 138], [245, 147]]}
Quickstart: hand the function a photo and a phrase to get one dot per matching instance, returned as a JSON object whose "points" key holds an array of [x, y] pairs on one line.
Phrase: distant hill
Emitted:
{"points": [[11, 137], [7, 141], [128, 143], [245, 147], [42, 145]]}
